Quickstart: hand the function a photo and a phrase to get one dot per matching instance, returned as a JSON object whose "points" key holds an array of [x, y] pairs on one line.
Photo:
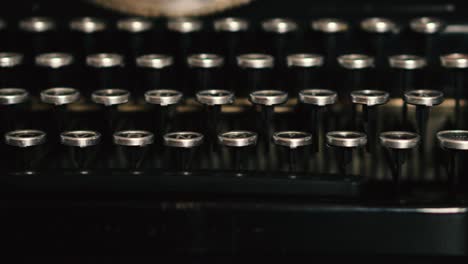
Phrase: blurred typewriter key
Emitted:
{"points": [[106, 70], [344, 142], [11, 99], [318, 100], [238, 142], [156, 71], [279, 36], [370, 99], [81, 145], [331, 32], [26, 144], [134, 144], [54, 70], [38, 36], [292, 140], [427, 29], [423, 100], [164, 101], [136, 37], [185, 143], [110, 99], [256, 72], [408, 70], [304, 70], [398, 144], [454, 142], [185, 34], [379, 33], [89, 36], [11, 69], [357, 70], [267, 100], [233, 34], [60, 97], [205, 71]]}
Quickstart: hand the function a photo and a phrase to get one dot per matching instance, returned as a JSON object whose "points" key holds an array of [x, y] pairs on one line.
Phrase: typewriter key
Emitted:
{"points": [[232, 33], [81, 145], [60, 97], [456, 65], [423, 100], [11, 69], [408, 69], [88, 36], [332, 34], [398, 143], [304, 70], [185, 143], [267, 100], [38, 35], [156, 71], [10, 100], [317, 99], [345, 142], [55, 69], [135, 144], [379, 35], [427, 28], [184, 33], [206, 71], [256, 72], [279, 33], [292, 140], [106, 70], [237, 141], [111, 99], [357, 70], [25, 143], [454, 142], [164, 102]]}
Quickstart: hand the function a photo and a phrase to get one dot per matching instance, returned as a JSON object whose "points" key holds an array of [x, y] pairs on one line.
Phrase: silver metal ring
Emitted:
{"points": [[80, 138], [424, 97], [184, 139], [133, 138], [205, 60], [37, 24], [279, 25], [370, 97], [399, 139], [319, 97], [454, 60], [378, 25], [427, 25], [255, 61], [155, 61], [231, 24], [238, 138], [330, 25], [9, 96], [356, 61], [110, 96], [163, 97], [453, 139], [407, 61], [292, 139], [25, 138], [268, 97], [215, 97], [54, 60], [88, 24], [10, 59], [60, 95], [134, 24], [184, 25], [104, 60], [304, 60], [346, 139]]}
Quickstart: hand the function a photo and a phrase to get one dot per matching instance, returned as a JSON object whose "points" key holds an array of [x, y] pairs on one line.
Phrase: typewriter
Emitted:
{"points": [[297, 128]]}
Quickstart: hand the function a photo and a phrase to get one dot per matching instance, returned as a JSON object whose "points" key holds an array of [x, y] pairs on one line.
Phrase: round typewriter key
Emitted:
{"points": [[357, 71], [205, 71], [423, 100], [280, 33], [11, 69], [135, 144], [89, 36], [186, 34], [38, 35], [111, 99], [26, 145], [156, 71], [427, 25], [332, 35], [256, 72], [292, 140], [304, 70], [106, 70], [317, 99], [237, 141], [60, 97], [398, 143], [13, 96], [232, 33], [11, 99], [81, 146], [378, 25], [88, 25], [164, 101], [344, 142], [427, 29], [231, 24], [454, 142], [55, 69], [379, 36], [185, 142]]}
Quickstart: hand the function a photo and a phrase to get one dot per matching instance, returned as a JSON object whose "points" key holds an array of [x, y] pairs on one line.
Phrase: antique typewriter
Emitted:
{"points": [[276, 128]]}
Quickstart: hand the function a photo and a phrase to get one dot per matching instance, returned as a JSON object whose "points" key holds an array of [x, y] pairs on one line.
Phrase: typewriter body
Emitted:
{"points": [[259, 130]]}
